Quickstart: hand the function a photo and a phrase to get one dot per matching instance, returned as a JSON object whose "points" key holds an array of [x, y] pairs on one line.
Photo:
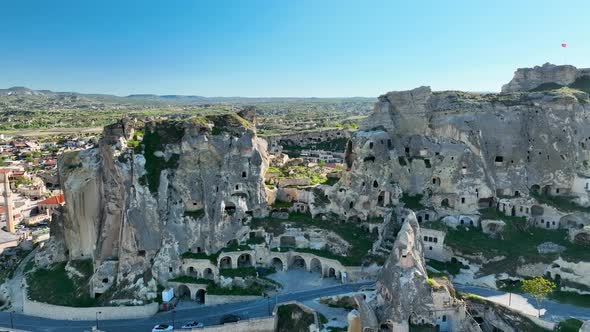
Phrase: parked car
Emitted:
{"points": [[192, 325], [230, 319], [162, 328]]}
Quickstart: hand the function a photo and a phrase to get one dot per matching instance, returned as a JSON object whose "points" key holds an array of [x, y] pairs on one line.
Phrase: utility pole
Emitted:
{"points": [[11, 320], [173, 318], [509, 299]]}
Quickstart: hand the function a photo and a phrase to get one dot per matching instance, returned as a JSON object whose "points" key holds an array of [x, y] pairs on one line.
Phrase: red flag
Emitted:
{"points": [[563, 45]]}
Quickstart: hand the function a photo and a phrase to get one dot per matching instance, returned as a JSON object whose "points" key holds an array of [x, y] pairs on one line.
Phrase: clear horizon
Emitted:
{"points": [[264, 49]]}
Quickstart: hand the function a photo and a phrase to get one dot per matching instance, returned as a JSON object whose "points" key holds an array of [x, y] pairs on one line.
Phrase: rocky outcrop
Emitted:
{"points": [[155, 189], [462, 150], [494, 317], [402, 287], [406, 296], [548, 75]]}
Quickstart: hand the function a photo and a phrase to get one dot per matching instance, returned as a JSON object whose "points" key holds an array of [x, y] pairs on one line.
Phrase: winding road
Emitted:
{"points": [[209, 315]]}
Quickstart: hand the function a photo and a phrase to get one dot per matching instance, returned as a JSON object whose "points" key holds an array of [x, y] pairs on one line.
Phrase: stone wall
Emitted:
{"points": [[221, 299], [252, 325], [50, 311]]}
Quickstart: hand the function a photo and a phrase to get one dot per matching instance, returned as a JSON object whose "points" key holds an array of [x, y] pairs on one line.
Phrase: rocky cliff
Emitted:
{"points": [[402, 285], [407, 297], [462, 149], [547, 76], [158, 188]]}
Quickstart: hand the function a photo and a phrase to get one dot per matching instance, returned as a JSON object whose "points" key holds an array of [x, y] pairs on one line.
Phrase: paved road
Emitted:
{"points": [[209, 315], [550, 310]]}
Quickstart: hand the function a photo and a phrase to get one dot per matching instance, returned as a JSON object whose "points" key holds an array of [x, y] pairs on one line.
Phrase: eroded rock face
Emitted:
{"points": [[402, 287], [136, 205], [527, 79], [462, 150]]}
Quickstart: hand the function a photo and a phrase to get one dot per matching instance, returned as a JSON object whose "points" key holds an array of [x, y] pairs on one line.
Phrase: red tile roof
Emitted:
{"points": [[53, 200]]}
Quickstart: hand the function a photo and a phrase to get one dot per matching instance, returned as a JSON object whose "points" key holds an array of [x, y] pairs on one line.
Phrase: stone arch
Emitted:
{"points": [[245, 260], [192, 271], [184, 292], [200, 296], [445, 203], [331, 272], [225, 262], [208, 274], [297, 262], [277, 263], [535, 188], [315, 265]]}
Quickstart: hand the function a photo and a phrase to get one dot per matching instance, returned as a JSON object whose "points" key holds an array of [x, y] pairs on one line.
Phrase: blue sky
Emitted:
{"points": [[283, 48]]}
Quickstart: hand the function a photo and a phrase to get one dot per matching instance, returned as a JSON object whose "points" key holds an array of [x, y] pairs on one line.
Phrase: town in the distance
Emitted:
{"points": [[418, 210]]}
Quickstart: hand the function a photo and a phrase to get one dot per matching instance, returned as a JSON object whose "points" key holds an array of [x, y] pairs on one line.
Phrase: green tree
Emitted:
{"points": [[538, 288]]}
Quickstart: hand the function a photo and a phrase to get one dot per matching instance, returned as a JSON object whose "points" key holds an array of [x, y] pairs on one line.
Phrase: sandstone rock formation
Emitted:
{"points": [[527, 79], [156, 189], [402, 285], [463, 150], [405, 295]]}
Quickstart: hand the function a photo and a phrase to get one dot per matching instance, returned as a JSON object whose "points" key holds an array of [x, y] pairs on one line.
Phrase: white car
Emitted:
{"points": [[162, 328], [192, 325]]}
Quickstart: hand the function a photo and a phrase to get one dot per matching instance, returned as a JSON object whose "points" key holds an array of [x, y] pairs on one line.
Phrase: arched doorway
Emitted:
{"points": [[225, 263], [192, 272], [331, 273], [297, 262], [315, 266], [277, 263], [245, 260], [184, 293], [208, 274], [200, 296]]}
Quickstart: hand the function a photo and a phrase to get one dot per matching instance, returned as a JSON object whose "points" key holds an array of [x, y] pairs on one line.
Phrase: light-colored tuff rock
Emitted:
{"points": [[494, 316], [402, 287], [462, 151], [188, 186], [526, 79], [405, 294]]}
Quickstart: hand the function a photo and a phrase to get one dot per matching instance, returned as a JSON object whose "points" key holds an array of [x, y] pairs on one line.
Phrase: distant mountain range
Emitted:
{"points": [[173, 99]]}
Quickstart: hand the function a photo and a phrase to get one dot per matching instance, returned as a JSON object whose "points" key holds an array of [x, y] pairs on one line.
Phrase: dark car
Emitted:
{"points": [[230, 319]]}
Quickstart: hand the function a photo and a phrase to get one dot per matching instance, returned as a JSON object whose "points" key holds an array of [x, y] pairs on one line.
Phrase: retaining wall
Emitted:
{"points": [[252, 325], [221, 299], [33, 308]]}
